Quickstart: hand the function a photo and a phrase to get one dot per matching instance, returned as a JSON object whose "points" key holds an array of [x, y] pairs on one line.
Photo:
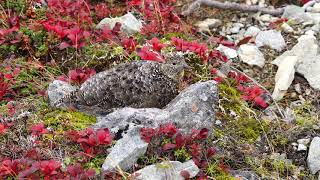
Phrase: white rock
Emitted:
{"points": [[252, 31], [251, 55], [296, 13], [207, 24], [235, 30], [270, 38], [314, 155], [302, 147], [316, 8], [265, 18], [129, 24], [170, 170], [304, 141], [284, 76], [287, 28], [229, 52]]}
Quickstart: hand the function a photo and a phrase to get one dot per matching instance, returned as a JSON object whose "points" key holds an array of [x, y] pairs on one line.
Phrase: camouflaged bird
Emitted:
{"points": [[140, 84]]}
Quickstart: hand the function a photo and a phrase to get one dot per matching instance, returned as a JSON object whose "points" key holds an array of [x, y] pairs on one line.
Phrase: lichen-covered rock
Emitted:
{"points": [[192, 108], [57, 90], [125, 152], [170, 170]]}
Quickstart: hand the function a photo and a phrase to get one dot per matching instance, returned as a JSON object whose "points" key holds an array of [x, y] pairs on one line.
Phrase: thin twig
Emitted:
{"points": [[232, 6]]}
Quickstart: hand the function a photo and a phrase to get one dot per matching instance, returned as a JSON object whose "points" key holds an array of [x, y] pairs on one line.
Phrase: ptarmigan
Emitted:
{"points": [[139, 84]]}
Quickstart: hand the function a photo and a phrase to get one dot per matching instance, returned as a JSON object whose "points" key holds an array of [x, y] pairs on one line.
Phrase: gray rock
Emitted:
{"points": [[192, 108], [270, 38], [125, 153], [229, 52], [296, 13], [57, 90], [129, 24], [310, 69], [316, 8], [314, 155], [251, 55], [306, 46], [252, 31], [302, 147], [170, 170], [235, 30], [207, 24], [245, 175], [313, 17]]}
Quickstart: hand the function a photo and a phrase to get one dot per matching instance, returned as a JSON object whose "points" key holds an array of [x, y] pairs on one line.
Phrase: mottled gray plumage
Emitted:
{"points": [[137, 84]]}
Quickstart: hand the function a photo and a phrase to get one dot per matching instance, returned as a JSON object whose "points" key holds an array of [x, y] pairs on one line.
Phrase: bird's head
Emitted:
{"points": [[174, 66]]}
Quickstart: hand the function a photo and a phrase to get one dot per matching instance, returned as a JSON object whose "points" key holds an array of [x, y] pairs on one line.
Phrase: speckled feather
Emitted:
{"points": [[136, 84]]}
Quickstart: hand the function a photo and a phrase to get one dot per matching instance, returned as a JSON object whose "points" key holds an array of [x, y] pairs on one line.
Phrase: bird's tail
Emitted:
{"points": [[67, 99]]}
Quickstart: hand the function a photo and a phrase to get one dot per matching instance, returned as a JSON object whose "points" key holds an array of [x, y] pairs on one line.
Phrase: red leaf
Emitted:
{"points": [[185, 174], [104, 136], [168, 146], [64, 45]]}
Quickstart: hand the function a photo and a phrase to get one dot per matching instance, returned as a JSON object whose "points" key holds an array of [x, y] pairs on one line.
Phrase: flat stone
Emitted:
{"points": [[252, 31], [270, 38], [314, 155], [207, 24], [193, 108], [169, 170], [57, 90], [296, 13], [229, 52], [284, 77], [129, 23], [251, 55], [245, 175], [125, 153]]}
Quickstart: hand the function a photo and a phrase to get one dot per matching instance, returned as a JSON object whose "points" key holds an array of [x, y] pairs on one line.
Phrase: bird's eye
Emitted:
{"points": [[174, 63]]}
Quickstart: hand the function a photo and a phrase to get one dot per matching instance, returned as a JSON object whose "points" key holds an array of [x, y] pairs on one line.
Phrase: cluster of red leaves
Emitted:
{"points": [[199, 49], [194, 143], [276, 24], [38, 129], [89, 139], [78, 76], [252, 93], [11, 35], [159, 15], [26, 168], [152, 51], [7, 81]]}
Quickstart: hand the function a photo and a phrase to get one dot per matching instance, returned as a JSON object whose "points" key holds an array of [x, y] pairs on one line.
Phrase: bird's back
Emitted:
{"points": [[135, 84]]}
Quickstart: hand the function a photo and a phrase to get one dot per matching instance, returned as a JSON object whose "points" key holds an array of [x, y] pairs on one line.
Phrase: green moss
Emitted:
{"points": [[96, 163], [62, 120], [304, 116], [182, 155], [213, 170]]}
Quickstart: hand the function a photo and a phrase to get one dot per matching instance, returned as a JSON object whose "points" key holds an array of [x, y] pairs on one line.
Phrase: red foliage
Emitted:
{"points": [[90, 139], [277, 23], [78, 76], [38, 129], [200, 49], [156, 45], [146, 53], [101, 10], [129, 44]]}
